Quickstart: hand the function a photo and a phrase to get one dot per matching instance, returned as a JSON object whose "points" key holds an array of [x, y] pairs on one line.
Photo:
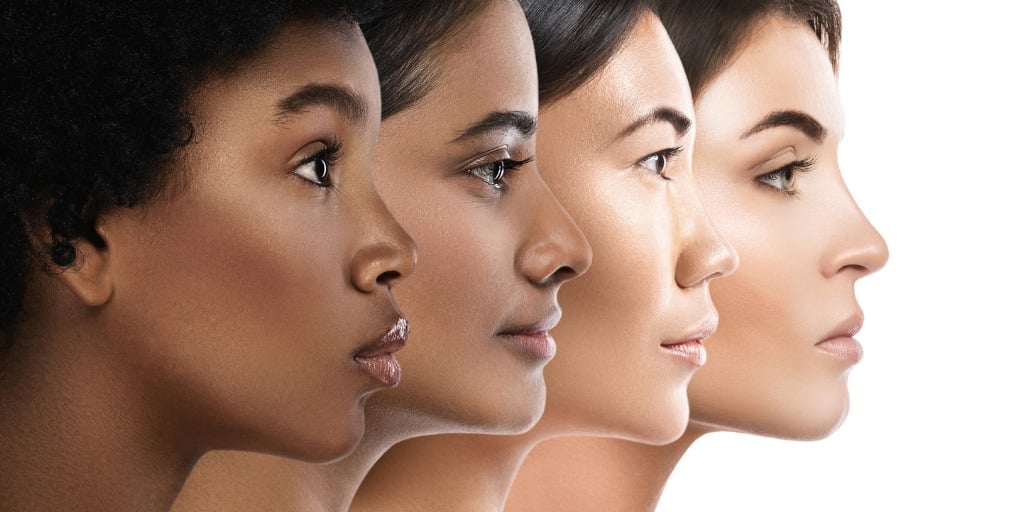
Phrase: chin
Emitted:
{"points": [[800, 417], [817, 419], [326, 445]]}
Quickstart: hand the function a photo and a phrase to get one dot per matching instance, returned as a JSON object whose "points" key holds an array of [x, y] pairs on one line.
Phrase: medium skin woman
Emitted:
{"points": [[455, 164], [769, 126], [194, 255], [615, 142]]}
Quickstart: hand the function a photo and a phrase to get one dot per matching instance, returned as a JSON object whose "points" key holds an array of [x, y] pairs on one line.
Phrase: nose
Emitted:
{"points": [[386, 253], [855, 246], [555, 249], [706, 254]]}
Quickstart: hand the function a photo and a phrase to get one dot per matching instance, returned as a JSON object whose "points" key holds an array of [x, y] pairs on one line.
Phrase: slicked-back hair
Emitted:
{"points": [[575, 39], [408, 39], [709, 33], [94, 99]]}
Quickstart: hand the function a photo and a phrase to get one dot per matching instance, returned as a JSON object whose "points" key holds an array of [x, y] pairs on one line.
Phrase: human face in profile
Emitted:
{"points": [[457, 169], [767, 162], [256, 288]]}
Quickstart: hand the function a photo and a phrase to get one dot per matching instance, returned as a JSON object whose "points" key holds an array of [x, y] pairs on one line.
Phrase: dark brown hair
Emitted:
{"points": [[574, 39], [709, 33], [406, 39]]}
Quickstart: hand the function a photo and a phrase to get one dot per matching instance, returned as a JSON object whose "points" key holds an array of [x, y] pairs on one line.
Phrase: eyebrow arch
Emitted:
{"points": [[505, 120], [677, 119], [349, 103], [793, 118]]}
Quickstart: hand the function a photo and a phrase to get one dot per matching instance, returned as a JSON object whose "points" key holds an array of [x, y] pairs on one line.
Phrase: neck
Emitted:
{"points": [[478, 471], [240, 481], [75, 436], [607, 474]]}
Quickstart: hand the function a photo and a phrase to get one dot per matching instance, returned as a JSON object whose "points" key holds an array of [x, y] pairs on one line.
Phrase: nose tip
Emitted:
{"points": [[863, 258], [388, 255], [709, 257], [724, 261], [857, 247], [557, 250]]}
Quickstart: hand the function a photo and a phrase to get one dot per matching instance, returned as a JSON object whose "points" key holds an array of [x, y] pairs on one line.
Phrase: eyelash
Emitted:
{"points": [[668, 154], [497, 182], [330, 155], [798, 167]]}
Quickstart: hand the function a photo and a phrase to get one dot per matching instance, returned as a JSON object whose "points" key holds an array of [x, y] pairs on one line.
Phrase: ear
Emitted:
{"points": [[90, 277]]}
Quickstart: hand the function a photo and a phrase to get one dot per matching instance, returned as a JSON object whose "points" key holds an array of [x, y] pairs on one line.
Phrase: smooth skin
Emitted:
{"points": [[493, 254], [802, 252], [605, 150], [227, 311]]}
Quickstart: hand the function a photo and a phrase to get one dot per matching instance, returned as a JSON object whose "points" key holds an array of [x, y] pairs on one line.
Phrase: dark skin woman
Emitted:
{"points": [[194, 255]]}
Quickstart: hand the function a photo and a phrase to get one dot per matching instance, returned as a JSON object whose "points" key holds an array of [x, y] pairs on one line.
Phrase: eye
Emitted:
{"points": [[783, 179], [658, 162], [493, 173], [317, 168]]}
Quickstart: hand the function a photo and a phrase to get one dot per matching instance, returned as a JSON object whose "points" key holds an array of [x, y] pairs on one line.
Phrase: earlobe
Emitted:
{"points": [[90, 277]]}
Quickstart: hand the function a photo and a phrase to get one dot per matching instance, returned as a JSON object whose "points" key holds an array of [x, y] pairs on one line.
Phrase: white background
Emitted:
{"points": [[933, 153]]}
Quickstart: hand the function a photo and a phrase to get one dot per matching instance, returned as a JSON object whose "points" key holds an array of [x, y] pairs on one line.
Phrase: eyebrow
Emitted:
{"points": [[517, 120], [792, 118], [349, 103], [677, 119]]}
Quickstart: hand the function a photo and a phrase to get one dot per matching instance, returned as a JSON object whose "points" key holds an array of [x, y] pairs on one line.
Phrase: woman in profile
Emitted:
{"points": [[194, 255], [769, 122], [615, 142], [455, 164]]}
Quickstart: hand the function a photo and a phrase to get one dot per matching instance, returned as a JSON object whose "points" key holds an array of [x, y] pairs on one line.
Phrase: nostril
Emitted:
{"points": [[562, 275], [389, 277]]}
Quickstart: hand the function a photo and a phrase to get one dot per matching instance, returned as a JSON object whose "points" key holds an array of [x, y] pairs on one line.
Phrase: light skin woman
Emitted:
{"points": [[769, 127], [615, 142], [455, 164], [228, 284]]}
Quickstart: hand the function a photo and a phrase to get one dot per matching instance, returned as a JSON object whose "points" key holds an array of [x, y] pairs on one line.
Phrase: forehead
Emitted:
{"points": [[491, 67], [302, 54], [781, 66], [644, 74]]}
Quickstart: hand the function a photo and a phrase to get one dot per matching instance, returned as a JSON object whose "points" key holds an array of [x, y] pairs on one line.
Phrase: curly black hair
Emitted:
{"points": [[94, 97]]}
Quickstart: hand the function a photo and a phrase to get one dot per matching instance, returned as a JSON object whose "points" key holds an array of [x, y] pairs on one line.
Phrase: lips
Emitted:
{"points": [[690, 348], [840, 343], [533, 339], [378, 358]]}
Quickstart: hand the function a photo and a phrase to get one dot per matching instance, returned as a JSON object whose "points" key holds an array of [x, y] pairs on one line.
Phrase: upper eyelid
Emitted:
{"points": [[493, 155]]}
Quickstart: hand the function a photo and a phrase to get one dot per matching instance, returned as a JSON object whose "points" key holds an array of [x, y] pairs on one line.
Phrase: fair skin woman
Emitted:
{"points": [[245, 304], [616, 150], [456, 167], [769, 127]]}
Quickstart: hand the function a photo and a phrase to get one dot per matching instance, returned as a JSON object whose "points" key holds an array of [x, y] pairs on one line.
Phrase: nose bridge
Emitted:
{"points": [[384, 251], [554, 249], [854, 243], [705, 254]]}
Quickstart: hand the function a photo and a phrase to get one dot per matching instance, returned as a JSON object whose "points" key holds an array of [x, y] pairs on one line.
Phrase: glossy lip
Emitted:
{"points": [[533, 339], [691, 347], [377, 358], [840, 342]]}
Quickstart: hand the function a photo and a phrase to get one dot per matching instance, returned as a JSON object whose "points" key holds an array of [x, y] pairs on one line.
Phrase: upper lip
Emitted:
{"points": [[391, 341], [545, 324], [847, 328], [703, 331]]}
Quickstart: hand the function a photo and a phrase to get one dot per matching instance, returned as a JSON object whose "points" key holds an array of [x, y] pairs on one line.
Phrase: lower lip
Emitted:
{"points": [[690, 351], [536, 345], [843, 347], [383, 367]]}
